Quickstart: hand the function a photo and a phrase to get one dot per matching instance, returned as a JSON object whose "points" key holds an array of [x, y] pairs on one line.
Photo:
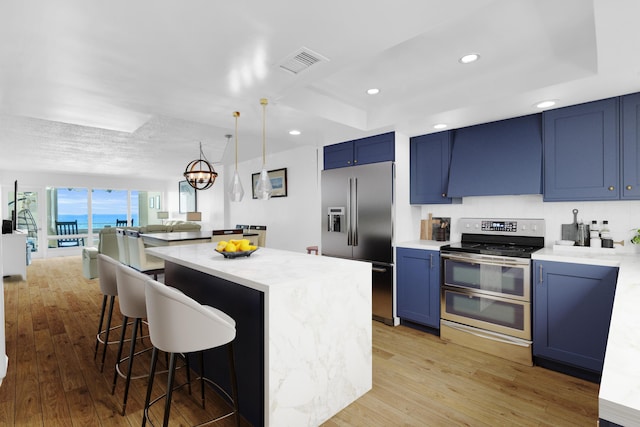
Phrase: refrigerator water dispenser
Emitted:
{"points": [[336, 219]]}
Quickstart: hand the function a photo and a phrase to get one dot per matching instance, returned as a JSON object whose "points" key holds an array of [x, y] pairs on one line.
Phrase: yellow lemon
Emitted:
{"points": [[230, 248], [244, 245]]}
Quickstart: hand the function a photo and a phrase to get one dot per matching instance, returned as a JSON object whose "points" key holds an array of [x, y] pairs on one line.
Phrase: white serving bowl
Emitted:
{"points": [[565, 242]]}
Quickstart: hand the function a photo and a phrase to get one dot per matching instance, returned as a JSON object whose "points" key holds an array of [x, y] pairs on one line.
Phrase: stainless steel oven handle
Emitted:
{"points": [[489, 337], [486, 259]]}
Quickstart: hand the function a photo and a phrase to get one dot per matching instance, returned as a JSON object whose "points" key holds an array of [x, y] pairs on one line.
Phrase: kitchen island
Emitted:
{"points": [[303, 345], [619, 395]]}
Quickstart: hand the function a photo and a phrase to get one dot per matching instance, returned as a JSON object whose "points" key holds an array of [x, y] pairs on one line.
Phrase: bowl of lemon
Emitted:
{"points": [[235, 248]]}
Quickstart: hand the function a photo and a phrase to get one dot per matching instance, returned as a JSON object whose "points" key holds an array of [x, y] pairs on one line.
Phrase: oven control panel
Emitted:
{"points": [[503, 226]]}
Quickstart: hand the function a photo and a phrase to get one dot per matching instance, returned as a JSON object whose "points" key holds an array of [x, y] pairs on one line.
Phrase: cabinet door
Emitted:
{"points": [[338, 155], [418, 286], [581, 152], [631, 146], [374, 149], [430, 157], [572, 311]]}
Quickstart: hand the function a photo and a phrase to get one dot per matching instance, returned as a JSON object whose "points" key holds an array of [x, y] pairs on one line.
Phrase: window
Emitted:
{"points": [[67, 204]]}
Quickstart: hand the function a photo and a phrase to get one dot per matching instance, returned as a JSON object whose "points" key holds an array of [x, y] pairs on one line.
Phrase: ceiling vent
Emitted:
{"points": [[301, 60]]}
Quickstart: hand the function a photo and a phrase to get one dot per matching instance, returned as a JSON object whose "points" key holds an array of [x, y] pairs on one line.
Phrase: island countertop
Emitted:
{"points": [[317, 325]]}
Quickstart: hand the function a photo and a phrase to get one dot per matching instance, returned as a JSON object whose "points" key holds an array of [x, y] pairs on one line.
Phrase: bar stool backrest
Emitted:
{"points": [[131, 296], [107, 275], [179, 324]]}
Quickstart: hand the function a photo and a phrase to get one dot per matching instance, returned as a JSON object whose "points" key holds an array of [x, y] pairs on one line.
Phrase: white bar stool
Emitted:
{"points": [[131, 297], [108, 286], [179, 324]]}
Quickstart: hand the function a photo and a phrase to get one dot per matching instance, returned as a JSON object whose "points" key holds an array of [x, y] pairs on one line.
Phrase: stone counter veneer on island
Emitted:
{"points": [[304, 334]]}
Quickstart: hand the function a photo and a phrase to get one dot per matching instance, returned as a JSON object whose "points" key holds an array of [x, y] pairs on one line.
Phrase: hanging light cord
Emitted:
{"points": [[264, 102], [236, 114]]}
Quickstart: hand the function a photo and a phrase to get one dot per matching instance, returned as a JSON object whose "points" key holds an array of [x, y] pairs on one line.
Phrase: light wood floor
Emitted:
{"points": [[418, 380]]}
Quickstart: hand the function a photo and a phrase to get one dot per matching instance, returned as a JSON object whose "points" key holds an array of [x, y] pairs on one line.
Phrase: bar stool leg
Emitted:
{"points": [[152, 373], [104, 305], [201, 359], [106, 335], [132, 353], [125, 319], [234, 382], [172, 374]]}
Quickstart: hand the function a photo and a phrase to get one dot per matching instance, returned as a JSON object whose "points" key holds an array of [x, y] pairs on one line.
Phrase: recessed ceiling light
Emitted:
{"points": [[472, 57], [440, 126], [294, 132], [373, 91], [546, 104]]}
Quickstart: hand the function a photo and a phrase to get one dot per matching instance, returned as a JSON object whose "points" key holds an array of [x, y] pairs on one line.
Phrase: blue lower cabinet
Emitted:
{"points": [[418, 286], [572, 306]]}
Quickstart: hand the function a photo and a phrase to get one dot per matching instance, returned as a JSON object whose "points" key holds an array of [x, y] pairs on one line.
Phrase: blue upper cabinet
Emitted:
{"points": [[497, 158], [374, 149], [429, 176], [581, 149], [630, 146]]}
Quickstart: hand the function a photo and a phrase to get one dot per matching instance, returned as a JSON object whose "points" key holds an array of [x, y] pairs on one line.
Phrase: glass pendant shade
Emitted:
{"points": [[236, 192], [263, 188]]}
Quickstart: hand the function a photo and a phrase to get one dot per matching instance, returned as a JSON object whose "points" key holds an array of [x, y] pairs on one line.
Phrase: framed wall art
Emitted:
{"points": [[278, 179]]}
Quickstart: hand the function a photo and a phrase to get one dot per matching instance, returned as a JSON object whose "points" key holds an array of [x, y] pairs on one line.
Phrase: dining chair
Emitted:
{"points": [[138, 257], [262, 233], [66, 228], [226, 234]]}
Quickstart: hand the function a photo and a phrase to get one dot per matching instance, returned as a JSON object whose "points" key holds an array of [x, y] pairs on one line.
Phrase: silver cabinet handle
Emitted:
{"points": [[431, 261], [540, 273], [611, 188]]}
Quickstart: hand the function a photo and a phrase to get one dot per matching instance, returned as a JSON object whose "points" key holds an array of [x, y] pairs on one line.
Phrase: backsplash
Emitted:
{"points": [[623, 216]]}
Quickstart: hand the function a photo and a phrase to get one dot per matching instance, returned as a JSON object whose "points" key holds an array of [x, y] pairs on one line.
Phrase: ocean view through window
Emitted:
{"points": [[94, 209]]}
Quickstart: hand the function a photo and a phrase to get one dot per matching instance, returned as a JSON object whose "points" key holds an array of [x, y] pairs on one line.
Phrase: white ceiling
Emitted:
{"points": [[131, 87]]}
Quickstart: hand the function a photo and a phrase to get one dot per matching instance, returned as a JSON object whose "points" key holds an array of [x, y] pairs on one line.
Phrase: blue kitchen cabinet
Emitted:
{"points": [[581, 152], [430, 156], [497, 158], [572, 306], [630, 146], [418, 286], [373, 149]]}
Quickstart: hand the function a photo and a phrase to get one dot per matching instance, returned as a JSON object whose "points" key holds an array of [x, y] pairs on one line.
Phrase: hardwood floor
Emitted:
{"points": [[418, 380]]}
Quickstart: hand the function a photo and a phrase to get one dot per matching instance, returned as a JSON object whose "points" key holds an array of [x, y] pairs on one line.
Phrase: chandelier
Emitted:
{"points": [[199, 173]]}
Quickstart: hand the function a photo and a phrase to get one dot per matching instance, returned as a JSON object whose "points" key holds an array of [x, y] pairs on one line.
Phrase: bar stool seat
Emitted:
{"points": [[179, 324]]}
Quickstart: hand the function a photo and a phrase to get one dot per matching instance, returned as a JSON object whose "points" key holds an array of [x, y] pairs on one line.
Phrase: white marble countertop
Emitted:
{"points": [[619, 396], [431, 245]]}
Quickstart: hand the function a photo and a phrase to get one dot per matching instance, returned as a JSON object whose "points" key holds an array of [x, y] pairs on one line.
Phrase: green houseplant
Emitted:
{"points": [[636, 237]]}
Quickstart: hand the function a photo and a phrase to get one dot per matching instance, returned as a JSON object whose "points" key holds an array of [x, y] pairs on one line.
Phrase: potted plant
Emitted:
{"points": [[635, 240]]}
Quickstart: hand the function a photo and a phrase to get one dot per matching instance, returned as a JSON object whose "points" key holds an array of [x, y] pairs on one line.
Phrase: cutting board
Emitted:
{"points": [[570, 231]]}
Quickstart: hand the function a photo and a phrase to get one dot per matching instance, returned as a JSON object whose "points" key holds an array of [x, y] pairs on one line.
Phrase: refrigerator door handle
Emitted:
{"points": [[355, 212], [348, 215]]}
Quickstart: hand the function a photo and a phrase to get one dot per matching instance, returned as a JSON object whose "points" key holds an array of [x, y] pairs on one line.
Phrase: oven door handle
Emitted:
{"points": [[486, 260], [486, 336]]}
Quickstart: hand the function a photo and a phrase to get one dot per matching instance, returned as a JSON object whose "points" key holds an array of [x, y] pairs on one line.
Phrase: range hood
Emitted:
{"points": [[497, 158]]}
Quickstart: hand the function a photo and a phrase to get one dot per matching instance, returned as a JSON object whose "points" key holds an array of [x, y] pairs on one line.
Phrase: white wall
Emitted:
{"points": [[293, 222]]}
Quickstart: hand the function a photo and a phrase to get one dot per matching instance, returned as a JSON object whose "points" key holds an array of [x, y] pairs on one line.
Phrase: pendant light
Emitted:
{"points": [[263, 187], [236, 192], [199, 173]]}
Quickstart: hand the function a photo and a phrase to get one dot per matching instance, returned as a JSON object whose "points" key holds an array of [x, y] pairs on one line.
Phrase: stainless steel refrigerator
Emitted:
{"points": [[357, 223]]}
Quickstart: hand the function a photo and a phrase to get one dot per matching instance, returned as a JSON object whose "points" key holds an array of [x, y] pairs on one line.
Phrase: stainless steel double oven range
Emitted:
{"points": [[486, 286]]}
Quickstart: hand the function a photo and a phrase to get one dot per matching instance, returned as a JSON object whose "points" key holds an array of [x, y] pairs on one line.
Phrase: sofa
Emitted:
{"points": [[107, 243]]}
